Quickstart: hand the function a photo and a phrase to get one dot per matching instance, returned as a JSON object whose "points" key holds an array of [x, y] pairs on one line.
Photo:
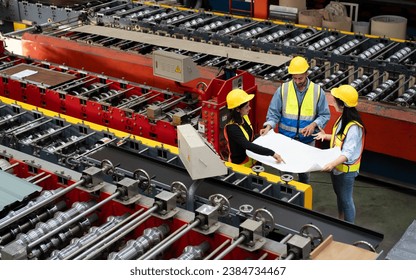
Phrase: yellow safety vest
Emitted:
{"points": [[296, 116], [248, 162], [338, 140]]}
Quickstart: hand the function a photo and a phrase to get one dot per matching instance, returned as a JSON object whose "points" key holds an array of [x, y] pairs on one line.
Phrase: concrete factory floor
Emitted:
{"points": [[380, 207]]}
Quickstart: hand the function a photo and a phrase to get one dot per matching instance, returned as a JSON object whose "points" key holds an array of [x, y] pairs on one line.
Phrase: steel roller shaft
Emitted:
{"points": [[92, 234], [59, 219], [18, 248], [123, 231], [93, 241], [31, 222], [62, 238], [237, 242], [78, 217], [136, 248], [43, 196], [41, 203], [167, 242], [194, 252]]}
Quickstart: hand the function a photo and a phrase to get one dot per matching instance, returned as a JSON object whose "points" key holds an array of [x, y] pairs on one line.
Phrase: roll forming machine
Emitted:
{"points": [[117, 39], [146, 206], [135, 108], [56, 141]]}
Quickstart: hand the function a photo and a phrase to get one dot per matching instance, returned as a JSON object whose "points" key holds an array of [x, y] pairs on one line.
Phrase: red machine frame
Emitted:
{"points": [[211, 101], [380, 119]]}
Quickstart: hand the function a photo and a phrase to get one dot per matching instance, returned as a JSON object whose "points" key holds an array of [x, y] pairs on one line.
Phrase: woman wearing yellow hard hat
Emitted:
{"points": [[239, 132], [348, 133]]}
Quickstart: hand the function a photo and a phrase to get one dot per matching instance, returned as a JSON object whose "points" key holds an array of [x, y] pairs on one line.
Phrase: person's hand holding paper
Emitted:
{"points": [[298, 157]]}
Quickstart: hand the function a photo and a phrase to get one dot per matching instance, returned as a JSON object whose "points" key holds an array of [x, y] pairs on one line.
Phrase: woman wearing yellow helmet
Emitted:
{"points": [[348, 133], [239, 132]]}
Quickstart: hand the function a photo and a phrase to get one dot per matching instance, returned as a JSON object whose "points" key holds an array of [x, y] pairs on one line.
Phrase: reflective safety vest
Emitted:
{"points": [[298, 114], [248, 162], [338, 141]]}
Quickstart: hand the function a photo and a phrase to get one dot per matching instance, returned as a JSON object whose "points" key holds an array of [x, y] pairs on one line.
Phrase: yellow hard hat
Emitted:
{"points": [[298, 65], [236, 97], [348, 94]]}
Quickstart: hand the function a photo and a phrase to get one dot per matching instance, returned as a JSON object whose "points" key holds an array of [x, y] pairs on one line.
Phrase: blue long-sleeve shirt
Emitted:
{"points": [[274, 112]]}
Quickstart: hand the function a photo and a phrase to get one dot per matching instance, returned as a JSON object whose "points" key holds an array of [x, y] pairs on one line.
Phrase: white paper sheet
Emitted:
{"points": [[298, 157], [23, 74]]}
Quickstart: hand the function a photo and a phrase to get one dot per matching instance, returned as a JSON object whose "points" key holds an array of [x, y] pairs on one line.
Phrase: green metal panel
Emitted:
{"points": [[13, 189]]}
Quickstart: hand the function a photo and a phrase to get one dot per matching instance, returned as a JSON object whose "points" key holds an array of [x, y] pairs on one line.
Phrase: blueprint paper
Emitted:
{"points": [[298, 157]]}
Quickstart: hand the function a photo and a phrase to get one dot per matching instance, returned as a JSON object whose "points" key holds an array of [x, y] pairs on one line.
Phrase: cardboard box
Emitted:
{"points": [[311, 17], [300, 4]]}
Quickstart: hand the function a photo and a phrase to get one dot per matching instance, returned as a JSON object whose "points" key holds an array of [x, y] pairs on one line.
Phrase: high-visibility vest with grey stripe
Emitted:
{"points": [[298, 114]]}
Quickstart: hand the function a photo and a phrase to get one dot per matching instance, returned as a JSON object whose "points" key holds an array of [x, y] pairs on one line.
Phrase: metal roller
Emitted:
{"points": [[380, 92], [136, 248], [370, 52], [194, 252], [89, 178], [44, 195], [81, 215], [360, 83], [407, 98], [93, 233], [30, 222], [298, 39], [14, 250], [159, 206], [62, 238]]}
